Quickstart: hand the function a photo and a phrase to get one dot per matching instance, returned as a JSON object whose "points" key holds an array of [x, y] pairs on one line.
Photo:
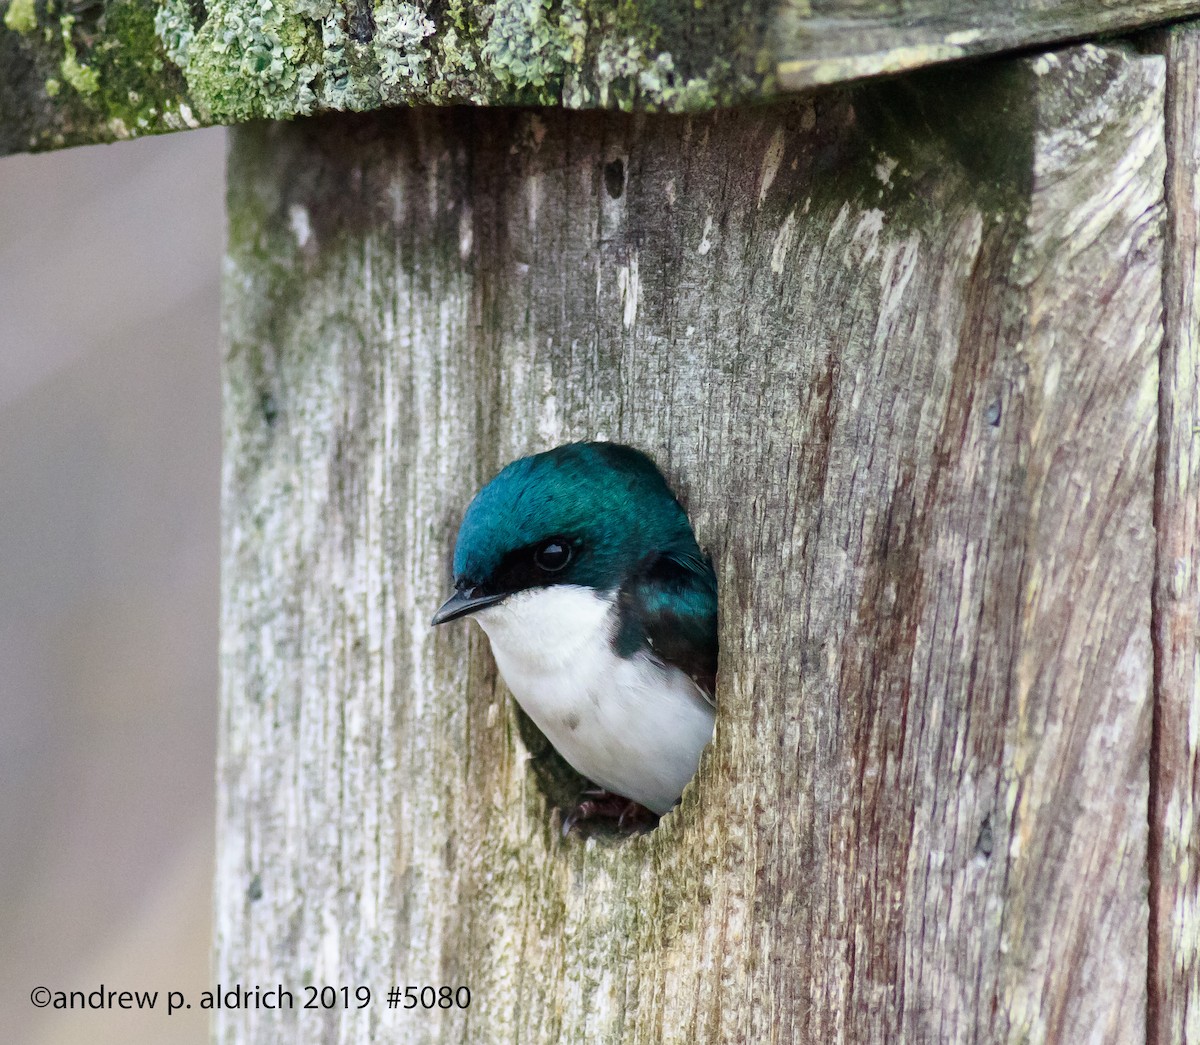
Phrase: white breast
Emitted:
{"points": [[632, 725]]}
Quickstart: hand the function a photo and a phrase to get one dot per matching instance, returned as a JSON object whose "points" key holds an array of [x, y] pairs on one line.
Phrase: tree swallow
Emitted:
{"points": [[581, 567]]}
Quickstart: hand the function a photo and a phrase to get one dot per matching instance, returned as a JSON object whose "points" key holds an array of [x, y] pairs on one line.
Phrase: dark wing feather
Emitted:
{"points": [[669, 607]]}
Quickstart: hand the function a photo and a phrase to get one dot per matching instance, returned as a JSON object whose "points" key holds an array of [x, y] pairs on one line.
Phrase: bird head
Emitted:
{"points": [[582, 514]]}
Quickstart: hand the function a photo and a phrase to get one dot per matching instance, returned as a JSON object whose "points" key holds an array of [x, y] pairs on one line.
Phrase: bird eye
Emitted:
{"points": [[553, 555]]}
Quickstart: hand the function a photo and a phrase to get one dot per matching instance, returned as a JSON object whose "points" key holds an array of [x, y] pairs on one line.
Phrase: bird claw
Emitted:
{"points": [[597, 804]]}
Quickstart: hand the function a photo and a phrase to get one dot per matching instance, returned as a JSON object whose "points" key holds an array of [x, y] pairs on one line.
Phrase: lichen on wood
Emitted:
{"points": [[261, 58], [95, 70], [234, 60]]}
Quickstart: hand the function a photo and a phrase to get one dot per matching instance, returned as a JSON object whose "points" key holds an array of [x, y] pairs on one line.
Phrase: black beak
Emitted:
{"points": [[461, 603]]}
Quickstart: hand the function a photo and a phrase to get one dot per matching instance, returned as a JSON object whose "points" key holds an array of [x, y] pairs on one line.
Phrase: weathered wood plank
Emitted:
{"points": [[92, 71], [898, 349], [1175, 834], [1082, 721], [832, 41]]}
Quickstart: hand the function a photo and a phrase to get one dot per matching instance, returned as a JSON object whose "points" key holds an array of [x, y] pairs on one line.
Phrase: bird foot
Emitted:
{"points": [[598, 804]]}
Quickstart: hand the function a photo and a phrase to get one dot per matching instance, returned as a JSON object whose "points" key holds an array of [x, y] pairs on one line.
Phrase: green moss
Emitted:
{"points": [[458, 78], [82, 77], [650, 56], [139, 90], [20, 16], [99, 71]]}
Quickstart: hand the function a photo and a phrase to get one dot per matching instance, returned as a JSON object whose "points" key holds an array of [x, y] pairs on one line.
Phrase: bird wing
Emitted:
{"points": [[669, 608]]}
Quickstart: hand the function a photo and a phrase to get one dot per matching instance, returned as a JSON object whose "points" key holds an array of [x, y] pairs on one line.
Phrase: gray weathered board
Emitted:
{"points": [[898, 348], [75, 71], [1175, 767]]}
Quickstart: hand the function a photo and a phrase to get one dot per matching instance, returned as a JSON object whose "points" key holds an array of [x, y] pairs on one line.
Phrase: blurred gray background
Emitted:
{"points": [[109, 468]]}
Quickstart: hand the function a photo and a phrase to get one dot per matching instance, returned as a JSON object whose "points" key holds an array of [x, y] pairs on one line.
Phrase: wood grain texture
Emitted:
{"points": [[1175, 854], [898, 350], [831, 41]]}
